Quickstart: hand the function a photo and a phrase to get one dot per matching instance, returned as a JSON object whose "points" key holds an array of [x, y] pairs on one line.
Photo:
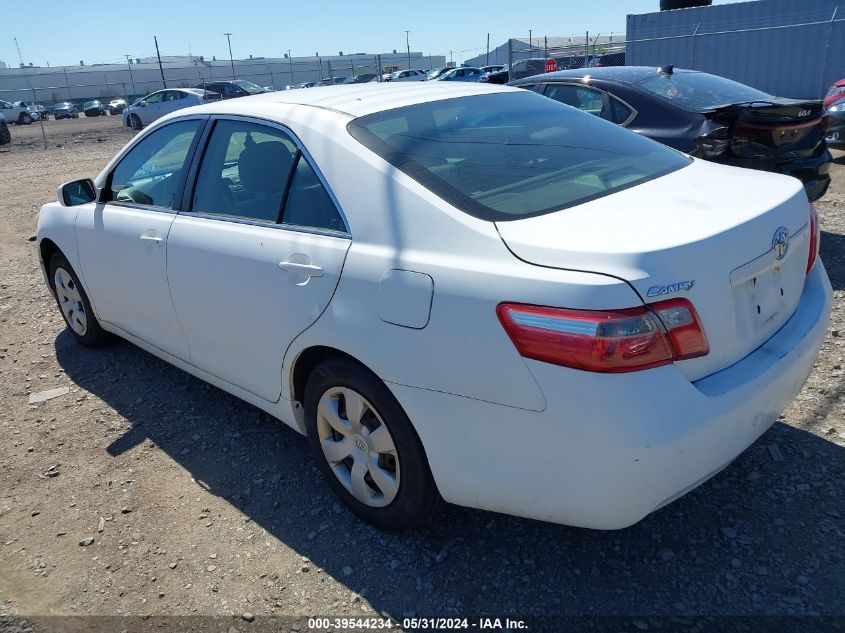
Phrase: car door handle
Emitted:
{"points": [[303, 269], [158, 241]]}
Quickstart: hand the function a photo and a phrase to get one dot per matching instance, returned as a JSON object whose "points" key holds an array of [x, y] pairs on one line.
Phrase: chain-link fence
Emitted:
{"points": [[789, 48], [131, 81], [538, 55]]}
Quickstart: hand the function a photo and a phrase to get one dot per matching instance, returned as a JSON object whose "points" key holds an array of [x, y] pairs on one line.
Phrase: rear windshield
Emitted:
{"points": [[508, 156], [701, 92]]}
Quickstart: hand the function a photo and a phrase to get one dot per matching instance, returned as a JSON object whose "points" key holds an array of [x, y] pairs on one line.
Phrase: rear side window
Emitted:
{"points": [[512, 155], [701, 92], [244, 171]]}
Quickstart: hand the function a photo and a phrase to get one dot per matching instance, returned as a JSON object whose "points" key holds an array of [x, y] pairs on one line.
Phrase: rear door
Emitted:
{"points": [[255, 258]]}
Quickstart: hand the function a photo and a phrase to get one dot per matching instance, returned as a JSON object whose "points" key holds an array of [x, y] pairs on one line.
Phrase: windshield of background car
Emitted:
{"points": [[701, 92], [248, 86], [508, 156]]}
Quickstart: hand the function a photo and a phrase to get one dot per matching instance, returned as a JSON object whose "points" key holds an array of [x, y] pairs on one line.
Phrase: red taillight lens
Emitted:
{"points": [[815, 239], [609, 341]]}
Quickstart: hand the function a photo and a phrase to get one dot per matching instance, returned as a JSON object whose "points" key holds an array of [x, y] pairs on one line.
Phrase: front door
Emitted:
{"points": [[123, 240], [256, 256]]}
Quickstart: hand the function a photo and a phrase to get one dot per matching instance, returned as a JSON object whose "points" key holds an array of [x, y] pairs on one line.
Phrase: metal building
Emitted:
{"points": [[789, 48]]}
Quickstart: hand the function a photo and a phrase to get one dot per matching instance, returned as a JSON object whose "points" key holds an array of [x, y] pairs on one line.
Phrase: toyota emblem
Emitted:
{"points": [[780, 242]]}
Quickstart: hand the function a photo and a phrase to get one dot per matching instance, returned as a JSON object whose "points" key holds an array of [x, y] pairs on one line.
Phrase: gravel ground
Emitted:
{"points": [[146, 491]]}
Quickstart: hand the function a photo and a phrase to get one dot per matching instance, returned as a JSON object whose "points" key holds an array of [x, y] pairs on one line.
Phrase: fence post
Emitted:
{"points": [[546, 46], [692, 54], [510, 54], [823, 74], [272, 77]]}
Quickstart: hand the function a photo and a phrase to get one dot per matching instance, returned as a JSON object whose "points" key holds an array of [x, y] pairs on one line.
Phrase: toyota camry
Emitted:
{"points": [[468, 293]]}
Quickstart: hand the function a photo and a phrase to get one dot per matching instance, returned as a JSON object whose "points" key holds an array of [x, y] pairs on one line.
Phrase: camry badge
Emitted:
{"points": [[780, 242], [656, 291]]}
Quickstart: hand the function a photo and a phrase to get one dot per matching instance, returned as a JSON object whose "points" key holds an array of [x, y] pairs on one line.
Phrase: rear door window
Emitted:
{"points": [[507, 156], [244, 171], [580, 97]]}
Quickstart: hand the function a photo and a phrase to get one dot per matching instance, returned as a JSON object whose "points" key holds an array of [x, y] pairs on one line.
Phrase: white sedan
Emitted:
{"points": [[156, 104], [461, 292]]}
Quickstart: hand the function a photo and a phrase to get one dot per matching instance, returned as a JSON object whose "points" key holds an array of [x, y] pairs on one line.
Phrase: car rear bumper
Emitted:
{"points": [[610, 449], [813, 171]]}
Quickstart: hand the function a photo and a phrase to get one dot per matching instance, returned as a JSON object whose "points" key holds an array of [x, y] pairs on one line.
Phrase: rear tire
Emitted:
{"points": [[135, 122], [367, 448], [25, 119], [74, 304]]}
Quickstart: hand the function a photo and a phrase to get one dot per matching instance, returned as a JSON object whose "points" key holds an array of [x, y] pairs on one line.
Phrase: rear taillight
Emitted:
{"points": [[815, 239], [610, 341]]}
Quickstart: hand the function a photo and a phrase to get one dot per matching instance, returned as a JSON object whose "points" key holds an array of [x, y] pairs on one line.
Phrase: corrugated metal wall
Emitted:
{"points": [[790, 48]]}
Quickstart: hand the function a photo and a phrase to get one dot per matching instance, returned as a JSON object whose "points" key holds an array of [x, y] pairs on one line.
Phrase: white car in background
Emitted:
{"points": [[465, 292], [407, 75], [155, 105], [19, 112]]}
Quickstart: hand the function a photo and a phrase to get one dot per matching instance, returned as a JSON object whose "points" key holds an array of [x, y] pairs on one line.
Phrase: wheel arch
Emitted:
{"points": [[307, 360]]}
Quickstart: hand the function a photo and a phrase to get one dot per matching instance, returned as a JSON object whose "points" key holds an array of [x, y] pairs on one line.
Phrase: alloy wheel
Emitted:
{"points": [[358, 446], [70, 301]]}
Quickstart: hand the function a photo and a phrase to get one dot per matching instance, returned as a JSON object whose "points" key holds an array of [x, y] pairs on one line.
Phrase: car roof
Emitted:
{"points": [[629, 74], [353, 99]]}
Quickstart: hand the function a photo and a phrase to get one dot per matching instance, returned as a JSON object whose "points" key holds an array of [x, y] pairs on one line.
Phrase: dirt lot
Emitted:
{"points": [[198, 504]]}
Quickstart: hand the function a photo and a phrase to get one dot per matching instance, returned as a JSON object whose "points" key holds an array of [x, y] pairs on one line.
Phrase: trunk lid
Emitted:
{"points": [[705, 232], [780, 129]]}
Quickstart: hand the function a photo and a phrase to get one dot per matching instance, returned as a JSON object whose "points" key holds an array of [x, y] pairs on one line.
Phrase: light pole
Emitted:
{"points": [[231, 60], [131, 78], [530, 41], [408, 46], [290, 60]]}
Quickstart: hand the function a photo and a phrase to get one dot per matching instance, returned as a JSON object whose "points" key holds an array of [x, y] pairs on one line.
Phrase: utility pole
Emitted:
{"points": [[488, 50], [530, 42], [160, 67], [290, 59], [67, 83], [450, 58], [408, 46], [20, 57], [131, 78], [231, 59]]}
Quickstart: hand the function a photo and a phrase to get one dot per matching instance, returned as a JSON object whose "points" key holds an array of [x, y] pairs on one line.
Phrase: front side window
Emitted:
{"points": [[512, 155], [701, 92], [151, 173], [244, 171], [156, 98]]}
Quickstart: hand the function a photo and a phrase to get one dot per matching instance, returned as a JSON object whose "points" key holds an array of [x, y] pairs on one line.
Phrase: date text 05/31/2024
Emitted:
{"points": [[417, 624]]}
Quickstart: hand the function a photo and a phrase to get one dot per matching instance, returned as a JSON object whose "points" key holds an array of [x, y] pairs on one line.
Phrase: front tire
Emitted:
{"points": [[5, 134], [367, 447], [135, 122], [25, 119], [74, 304]]}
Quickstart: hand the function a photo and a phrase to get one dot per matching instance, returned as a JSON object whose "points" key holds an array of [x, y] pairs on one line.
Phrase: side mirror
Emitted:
{"points": [[77, 192], [142, 103]]}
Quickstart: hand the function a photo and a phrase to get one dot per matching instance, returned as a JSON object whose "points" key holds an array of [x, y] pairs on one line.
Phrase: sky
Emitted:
{"points": [[107, 31]]}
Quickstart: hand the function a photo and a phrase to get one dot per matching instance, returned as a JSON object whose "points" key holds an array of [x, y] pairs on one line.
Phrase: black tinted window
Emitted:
{"points": [[308, 203], [511, 155], [701, 92], [151, 173], [244, 171]]}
